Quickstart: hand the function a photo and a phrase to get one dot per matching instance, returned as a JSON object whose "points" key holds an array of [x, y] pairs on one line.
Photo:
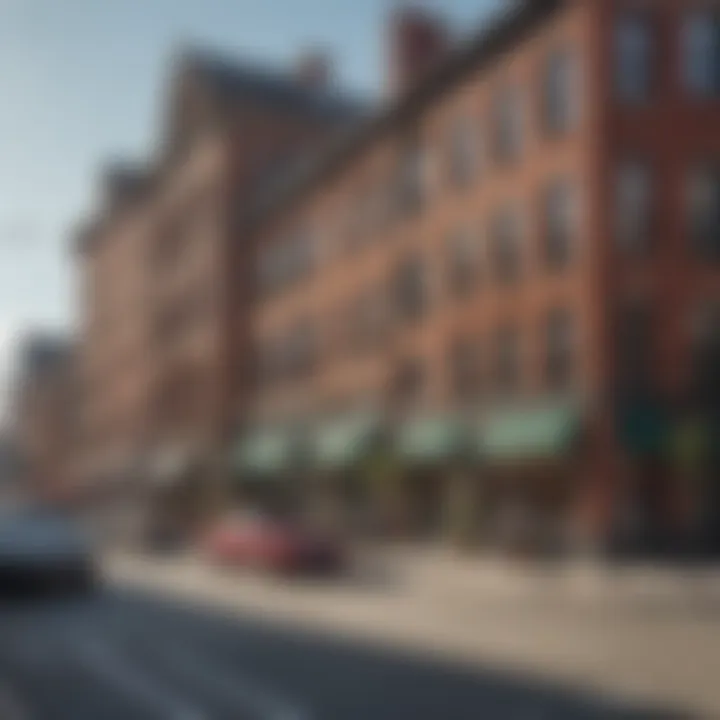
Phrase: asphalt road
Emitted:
{"points": [[118, 656]]}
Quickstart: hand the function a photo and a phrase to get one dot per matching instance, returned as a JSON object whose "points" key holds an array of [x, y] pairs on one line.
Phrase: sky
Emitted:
{"points": [[81, 82]]}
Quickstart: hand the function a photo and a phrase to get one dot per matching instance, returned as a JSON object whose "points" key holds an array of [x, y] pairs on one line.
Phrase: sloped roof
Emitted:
{"points": [[238, 80], [493, 39], [232, 83]]}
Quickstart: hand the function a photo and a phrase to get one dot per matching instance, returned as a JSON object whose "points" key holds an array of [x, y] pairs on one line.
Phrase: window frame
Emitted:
{"points": [[560, 344], [560, 225], [507, 352], [689, 50], [560, 97], [463, 151], [506, 246], [463, 261], [705, 248], [466, 368], [411, 301], [634, 19], [639, 245], [508, 124]]}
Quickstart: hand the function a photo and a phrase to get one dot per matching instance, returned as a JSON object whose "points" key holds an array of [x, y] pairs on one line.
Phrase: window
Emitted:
{"points": [[633, 207], [301, 350], [560, 224], [169, 246], [506, 369], [508, 125], [411, 178], [301, 253], [290, 356], [559, 344], [633, 58], [463, 262], [286, 261], [365, 323], [178, 232], [506, 245], [560, 93], [463, 152], [409, 382], [411, 289], [701, 52], [704, 212], [705, 353], [465, 368], [182, 316], [270, 362], [366, 214], [635, 347]]}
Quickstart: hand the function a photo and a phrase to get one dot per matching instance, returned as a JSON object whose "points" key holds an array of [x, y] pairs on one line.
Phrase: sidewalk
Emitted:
{"points": [[443, 572], [617, 634]]}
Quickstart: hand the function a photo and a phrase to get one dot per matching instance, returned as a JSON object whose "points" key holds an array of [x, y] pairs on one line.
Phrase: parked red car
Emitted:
{"points": [[273, 545]]}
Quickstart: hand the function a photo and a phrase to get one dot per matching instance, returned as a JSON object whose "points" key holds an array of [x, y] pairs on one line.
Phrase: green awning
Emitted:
{"points": [[432, 440], [265, 453], [345, 441], [538, 432]]}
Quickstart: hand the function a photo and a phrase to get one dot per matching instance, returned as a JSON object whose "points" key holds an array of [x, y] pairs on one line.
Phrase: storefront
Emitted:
{"points": [[176, 493], [532, 458], [344, 455], [268, 469], [440, 478]]}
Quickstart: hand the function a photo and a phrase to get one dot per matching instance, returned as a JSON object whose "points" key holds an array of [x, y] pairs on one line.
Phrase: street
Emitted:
{"points": [[122, 655]]}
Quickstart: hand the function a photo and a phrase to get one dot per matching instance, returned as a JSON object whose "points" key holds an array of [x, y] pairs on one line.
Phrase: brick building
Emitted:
{"points": [[511, 269], [498, 291], [163, 278], [45, 423]]}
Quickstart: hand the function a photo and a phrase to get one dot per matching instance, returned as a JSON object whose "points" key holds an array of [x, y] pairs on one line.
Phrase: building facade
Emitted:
{"points": [[162, 296], [518, 254], [45, 423], [490, 304]]}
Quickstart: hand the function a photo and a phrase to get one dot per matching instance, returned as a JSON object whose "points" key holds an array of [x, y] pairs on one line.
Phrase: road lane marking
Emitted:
{"points": [[239, 688], [108, 658], [101, 660]]}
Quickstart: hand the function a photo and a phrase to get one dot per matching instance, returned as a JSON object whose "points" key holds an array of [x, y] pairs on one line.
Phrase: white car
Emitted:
{"points": [[42, 551]]}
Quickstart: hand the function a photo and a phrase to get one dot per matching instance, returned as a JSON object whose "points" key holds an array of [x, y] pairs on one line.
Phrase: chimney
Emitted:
{"points": [[313, 70], [417, 40]]}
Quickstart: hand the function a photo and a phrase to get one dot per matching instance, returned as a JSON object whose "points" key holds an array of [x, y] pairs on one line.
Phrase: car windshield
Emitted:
{"points": [[39, 526]]}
